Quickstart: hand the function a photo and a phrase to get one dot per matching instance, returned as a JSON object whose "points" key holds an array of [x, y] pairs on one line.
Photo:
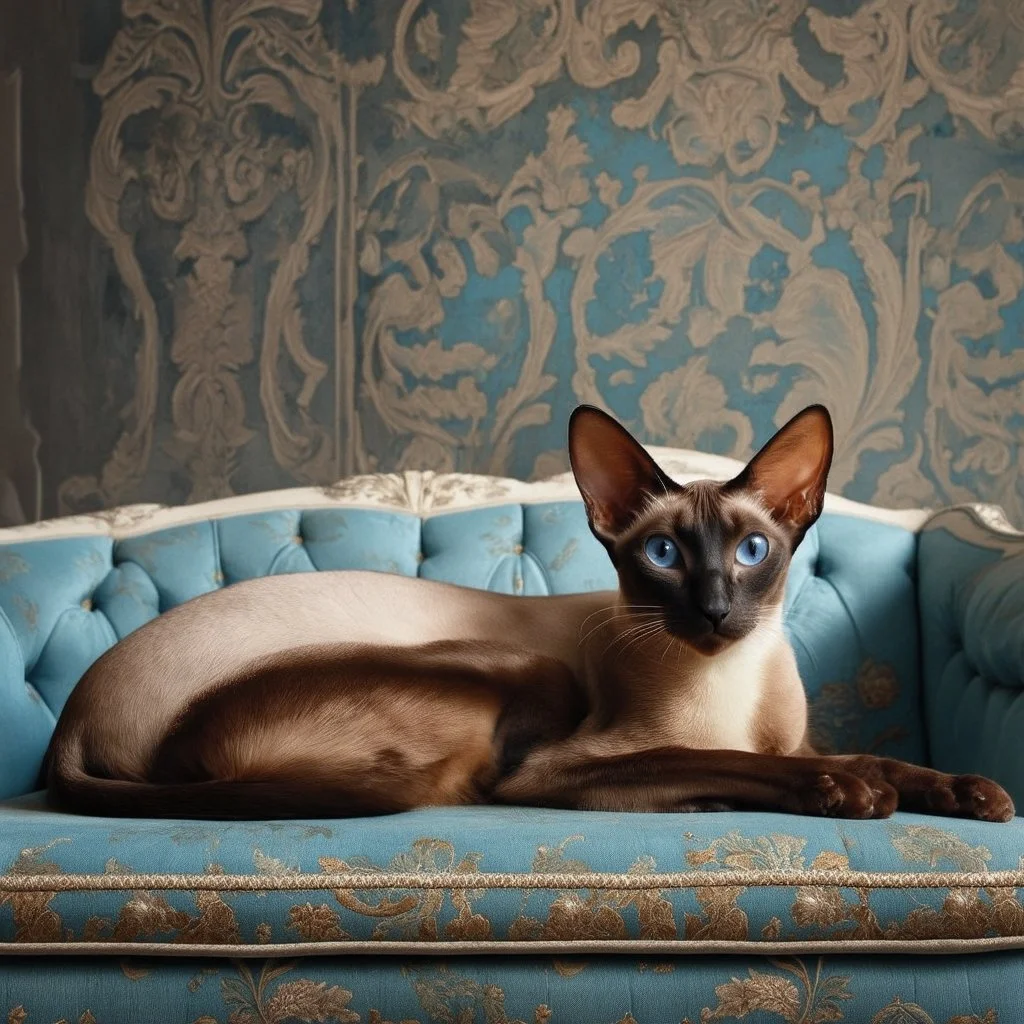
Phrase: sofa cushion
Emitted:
{"points": [[483, 878]]}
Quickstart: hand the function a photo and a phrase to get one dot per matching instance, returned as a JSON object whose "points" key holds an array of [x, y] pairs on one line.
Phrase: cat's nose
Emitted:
{"points": [[713, 601], [715, 611]]}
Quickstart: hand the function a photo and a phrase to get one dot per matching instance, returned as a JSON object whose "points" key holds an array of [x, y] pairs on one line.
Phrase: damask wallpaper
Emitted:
{"points": [[318, 237]]}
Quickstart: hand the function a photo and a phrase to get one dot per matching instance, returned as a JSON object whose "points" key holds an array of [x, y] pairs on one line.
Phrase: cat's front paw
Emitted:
{"points": [[839, 794], [981, 798]]}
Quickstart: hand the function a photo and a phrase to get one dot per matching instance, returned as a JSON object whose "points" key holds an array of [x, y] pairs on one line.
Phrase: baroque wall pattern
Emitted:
{"points": [[338, 236]]}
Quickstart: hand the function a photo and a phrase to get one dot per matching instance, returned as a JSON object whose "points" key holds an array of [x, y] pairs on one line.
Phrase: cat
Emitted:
{"points": [[358, 693]]}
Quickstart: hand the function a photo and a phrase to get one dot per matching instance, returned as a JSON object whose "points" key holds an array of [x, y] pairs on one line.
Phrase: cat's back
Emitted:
{"points": [[216, 635], [131, 696]]}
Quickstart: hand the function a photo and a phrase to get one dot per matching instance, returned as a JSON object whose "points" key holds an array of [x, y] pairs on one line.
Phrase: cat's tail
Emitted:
{"points": [[72, 788]]}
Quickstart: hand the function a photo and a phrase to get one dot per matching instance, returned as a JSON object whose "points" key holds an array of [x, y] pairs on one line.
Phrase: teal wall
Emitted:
{"points": [[326, 238]]}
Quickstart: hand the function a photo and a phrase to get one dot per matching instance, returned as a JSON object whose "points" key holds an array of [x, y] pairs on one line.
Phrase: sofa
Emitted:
{"points": [[909, 631]]}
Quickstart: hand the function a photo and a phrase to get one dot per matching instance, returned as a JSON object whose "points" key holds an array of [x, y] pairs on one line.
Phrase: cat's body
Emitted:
{"points": [[346, 693]]}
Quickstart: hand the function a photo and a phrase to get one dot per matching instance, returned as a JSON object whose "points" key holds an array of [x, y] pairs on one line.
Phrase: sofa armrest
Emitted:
{"points": [[971, 596]]}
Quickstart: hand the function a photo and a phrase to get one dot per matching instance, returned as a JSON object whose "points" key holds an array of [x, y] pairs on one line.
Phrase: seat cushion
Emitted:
{"points": [[490, 879]]}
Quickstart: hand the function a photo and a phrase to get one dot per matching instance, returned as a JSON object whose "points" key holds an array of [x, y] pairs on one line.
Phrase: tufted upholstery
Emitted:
{"points": [[850, 606], [972, 587]]}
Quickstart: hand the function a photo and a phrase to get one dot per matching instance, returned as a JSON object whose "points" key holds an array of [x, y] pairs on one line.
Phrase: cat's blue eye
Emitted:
{"points": [[662, 551], [753, 549]]}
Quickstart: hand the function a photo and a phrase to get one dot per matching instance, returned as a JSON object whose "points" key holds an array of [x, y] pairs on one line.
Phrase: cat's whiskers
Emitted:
{"points": [[613, 608], [621, 608], [622, 634], [625, 634], [609, 622], [643, 639], [641, 634], [618, 612], [669, 641]]}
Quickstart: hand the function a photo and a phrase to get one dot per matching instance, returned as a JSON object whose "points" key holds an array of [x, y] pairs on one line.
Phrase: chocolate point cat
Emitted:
{"points": [[353, 693]]}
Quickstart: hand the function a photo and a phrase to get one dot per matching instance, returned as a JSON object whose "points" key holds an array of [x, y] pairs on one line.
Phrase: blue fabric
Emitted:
{"points": [[850, 605], [992, 612], [749, 899], [469, 990], [973, 656]]}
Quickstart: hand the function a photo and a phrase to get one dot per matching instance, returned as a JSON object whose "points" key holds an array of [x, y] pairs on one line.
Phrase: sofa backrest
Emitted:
{"points": [[971, 587], [71, 588]]}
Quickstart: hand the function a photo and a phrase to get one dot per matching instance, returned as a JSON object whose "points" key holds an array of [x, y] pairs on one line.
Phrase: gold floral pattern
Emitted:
{"points": [[265, 999], [446, 995], [316, 924], [817, 999], [739, 891], [33, 918], [900, 1012], [843, 715], [412, 916], [797, 991]]}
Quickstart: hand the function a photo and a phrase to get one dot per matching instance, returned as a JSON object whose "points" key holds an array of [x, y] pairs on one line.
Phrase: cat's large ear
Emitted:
{"points": [[790, 472], [614, 473]]}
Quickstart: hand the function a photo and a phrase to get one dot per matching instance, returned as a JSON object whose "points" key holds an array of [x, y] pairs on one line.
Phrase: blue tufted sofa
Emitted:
{"points": [[909, 629]]}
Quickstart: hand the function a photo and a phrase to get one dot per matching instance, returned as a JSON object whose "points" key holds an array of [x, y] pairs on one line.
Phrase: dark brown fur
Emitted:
{"points": [[634, 701], [445, 721]]}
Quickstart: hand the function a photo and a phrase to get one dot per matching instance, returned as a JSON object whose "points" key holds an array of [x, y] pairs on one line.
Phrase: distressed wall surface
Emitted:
{"points": [[286, 241]]}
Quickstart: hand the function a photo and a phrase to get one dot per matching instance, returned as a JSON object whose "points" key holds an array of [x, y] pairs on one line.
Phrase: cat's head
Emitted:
{"points": [[711, 556]]}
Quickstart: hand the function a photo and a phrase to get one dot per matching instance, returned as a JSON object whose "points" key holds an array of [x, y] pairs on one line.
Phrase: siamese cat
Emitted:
{"points": [[358, 693]]}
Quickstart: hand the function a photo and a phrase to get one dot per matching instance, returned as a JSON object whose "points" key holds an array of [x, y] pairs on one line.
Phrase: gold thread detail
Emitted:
{"points": [[497, 880]]}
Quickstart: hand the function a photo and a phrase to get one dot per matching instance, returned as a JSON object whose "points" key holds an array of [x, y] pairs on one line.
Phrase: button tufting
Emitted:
{"points": [[420, 556], [87, 604], [518, 549], [517, 584], [298, 539], [218, 577]]}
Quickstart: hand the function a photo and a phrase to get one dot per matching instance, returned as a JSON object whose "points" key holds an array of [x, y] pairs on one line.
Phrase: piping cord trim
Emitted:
{"points": [[308, 882]]}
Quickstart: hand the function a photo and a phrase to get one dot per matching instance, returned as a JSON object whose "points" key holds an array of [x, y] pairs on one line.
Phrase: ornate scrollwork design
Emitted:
{"points": [[974, 376], [429, 389], [973, 54], [507, 50], [710, 286], [211, 119]]}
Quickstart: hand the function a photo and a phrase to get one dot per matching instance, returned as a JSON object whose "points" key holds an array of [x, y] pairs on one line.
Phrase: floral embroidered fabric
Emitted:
{"points": [[492, 877], [517, 990]]}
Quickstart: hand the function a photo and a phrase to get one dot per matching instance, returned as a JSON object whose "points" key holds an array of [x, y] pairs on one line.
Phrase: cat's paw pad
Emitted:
{"points": [[981, 798], [839, 794]]}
